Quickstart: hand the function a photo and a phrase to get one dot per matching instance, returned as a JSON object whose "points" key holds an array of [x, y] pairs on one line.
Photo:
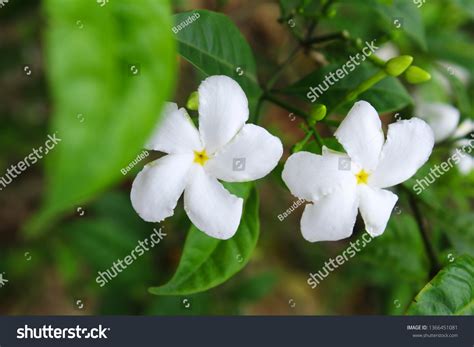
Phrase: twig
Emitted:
{"points": [[435, 266]]}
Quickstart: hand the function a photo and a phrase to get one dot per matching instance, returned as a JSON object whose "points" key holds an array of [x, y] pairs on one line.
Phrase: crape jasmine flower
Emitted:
{"points": [[224, 148], [339, 185]]}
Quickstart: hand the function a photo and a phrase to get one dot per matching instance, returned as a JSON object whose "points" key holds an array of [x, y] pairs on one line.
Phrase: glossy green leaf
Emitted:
{"points": [[110, 69], [207, 262], [450, 292], [386, 96], [213, 44]]}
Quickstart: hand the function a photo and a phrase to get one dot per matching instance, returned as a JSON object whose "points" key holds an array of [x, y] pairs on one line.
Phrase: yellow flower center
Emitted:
{"points": [[362, 177], [200, 157]]}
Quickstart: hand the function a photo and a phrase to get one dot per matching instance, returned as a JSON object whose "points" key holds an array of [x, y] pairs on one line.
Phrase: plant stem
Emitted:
{"points": [[281, 68], [258, 109], [286, 106], [435, 266], [324, 38], [312, 131], [362, 87], [300, 144], [317, 137], [372, 57]]}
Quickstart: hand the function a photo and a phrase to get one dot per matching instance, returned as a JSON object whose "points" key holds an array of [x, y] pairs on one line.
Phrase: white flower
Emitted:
{"points": [[340, 184], [443, 118], [224, 148], [466, 162], [460, 72], [388, 51], [465, 128]]}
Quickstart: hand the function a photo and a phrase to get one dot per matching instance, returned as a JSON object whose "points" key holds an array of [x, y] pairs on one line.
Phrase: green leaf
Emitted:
{"points": [[289, 7], [108, 231], [451, 46], [450, 292], [390, 16], [103, 111], [400, 248], [214, 45], [459, 231], [466, 6], [207, 262], [409, 20], [386, 96]]}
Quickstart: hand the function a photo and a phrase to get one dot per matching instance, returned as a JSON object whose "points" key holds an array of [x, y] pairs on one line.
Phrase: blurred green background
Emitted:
{"points": [[53, 271]]}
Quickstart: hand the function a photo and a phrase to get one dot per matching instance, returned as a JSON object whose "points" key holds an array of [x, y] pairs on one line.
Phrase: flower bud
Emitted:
{"points": [[317, 113], [396, 66], [415, 75], [193, 101]]}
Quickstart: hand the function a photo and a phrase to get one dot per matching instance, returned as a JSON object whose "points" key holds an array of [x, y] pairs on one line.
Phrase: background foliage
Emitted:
{"points": [[70, 216]]}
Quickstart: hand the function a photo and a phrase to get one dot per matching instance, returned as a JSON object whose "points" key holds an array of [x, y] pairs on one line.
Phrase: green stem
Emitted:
{"points": [[318, 138], [299, 145], [276, 75], [362, 87], [377, 61], [286, 106], [299, 113], [258, 109], [372, 57], [324, 38], [435, 266]]}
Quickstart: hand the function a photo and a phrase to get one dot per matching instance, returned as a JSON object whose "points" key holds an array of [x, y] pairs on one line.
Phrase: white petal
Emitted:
{"points": [[252, 154], [442, 118], [331, 218], [388, 51], [157, 188], [361, 135], [175, 132], [408, 146], [223, 110], [375, 207], [328, 151], [210, 207], [462, 156], [459, 71], [466, 164], [465, 128], [310, 176]]}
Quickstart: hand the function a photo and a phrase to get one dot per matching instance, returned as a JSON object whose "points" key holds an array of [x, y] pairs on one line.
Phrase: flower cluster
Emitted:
{"points": [[336, 184]]}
